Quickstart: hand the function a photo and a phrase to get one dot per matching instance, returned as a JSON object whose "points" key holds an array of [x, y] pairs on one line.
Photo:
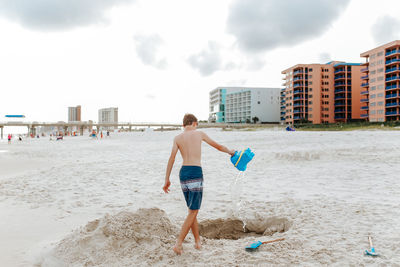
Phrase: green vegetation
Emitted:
{"points": [[351, 126]]}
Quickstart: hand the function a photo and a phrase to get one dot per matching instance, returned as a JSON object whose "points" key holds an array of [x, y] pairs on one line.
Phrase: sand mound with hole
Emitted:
{"points": [[236, 229], [143, 238]]}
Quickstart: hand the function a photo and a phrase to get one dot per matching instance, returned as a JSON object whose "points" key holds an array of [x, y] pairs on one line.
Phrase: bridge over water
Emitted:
{"points": [[81, 126]]}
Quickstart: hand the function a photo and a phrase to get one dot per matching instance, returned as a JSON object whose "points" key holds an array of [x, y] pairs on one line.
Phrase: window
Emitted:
{"points": [[373, 95], [380, 103], [380, 95], [373, 112], [310, 76], [380, 54], [258, 102], [310, 116], [309, 96], [310, 69], [310, 102], [310, 109], [380, 86], [310, 83], [372, 104], [380, 70], [373, 72], [373, 88], [380, 111], [372, 80]]}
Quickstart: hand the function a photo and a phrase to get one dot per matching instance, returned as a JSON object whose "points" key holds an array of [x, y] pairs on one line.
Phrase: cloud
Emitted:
{"points": [[261, 25], [54, 15], [150, 96], [208, 60], [147, 47], [324, 57], [386, 29]]}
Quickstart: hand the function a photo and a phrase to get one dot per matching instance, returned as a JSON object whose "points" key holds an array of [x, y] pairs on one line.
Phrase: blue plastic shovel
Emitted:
{"points": [[255, 245], [372, 252]]}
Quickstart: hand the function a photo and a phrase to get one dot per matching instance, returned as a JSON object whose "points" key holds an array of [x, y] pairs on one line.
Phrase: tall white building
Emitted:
{"points": [[242, 104], [108, 115]]}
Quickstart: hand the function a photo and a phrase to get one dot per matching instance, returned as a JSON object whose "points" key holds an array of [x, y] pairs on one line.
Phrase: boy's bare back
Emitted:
{"points": [[189, 144]]}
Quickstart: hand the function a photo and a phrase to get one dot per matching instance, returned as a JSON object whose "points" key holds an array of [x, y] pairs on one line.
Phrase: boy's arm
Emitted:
{"points": [[169, 166], [217, 146]]}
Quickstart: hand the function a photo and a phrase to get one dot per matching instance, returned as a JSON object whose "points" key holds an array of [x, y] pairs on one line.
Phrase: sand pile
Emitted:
{"points": [[120, 239], [145, 238]]}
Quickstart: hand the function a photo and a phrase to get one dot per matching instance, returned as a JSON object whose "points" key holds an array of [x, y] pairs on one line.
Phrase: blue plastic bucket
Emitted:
{"points": [[241, 158]]}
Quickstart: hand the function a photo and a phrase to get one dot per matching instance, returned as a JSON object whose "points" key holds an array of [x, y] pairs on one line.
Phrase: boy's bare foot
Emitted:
{"points": [[197, 245], [177, 249]]}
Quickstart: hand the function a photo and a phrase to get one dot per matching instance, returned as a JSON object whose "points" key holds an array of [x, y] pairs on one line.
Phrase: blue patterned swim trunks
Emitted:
{"points": [[191, 178]]}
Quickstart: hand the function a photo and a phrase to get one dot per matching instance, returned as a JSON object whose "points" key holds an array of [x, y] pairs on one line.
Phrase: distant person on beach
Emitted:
{"points": [[9, 138], [191, 176]]}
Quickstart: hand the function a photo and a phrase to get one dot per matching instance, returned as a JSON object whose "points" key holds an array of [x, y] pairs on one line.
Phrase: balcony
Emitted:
{"points": [[364, 70], [365, 100], [340, 83], [364, 92], [391, 96], [392, 61], [297, 111], [340, 117], [365, 107], [298, 105], [340, 97], [298, 98], [391, 87], [391, 113], [340, 104], [298, 72], [392, 78], [364, 84], [297, 85], [340, 70], [391, 104], [366, 77], [339, 77], [392, 52], [391, 70], [340, 110], [339, 90], [364, 115], [297, 78], [298, 92]]}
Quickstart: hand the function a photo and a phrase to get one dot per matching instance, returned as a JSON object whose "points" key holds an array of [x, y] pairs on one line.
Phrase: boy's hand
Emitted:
{"points": [[232, 152], [166, 186]]}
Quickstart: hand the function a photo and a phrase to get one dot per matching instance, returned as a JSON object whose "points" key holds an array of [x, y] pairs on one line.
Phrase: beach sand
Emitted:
{"points": [[83, 202]]}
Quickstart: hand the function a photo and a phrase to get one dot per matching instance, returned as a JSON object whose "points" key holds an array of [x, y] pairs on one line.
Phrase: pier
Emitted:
{"points": [[81, 126]]}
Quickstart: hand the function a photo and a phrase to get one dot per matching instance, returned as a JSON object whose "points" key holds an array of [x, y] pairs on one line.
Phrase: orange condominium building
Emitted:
{"points": [[322, 93], [381, 83]]}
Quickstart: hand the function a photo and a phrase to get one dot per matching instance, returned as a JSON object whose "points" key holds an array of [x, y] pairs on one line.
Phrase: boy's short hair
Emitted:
{"points": [[188, 119]]}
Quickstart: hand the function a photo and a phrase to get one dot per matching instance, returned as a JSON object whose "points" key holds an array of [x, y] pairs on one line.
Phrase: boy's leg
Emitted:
{"points": [[195, 232], [185, 230]]}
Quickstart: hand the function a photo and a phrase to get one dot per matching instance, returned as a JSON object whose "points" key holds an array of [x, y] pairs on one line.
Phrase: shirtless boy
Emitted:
{"points": [[190, 175]]}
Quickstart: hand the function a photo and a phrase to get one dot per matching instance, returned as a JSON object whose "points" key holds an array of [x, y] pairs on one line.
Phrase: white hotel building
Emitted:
{"points": [[242, 104]]}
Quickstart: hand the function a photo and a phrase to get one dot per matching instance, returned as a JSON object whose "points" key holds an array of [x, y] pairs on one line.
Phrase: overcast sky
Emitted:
{"points": [[156, 60]]}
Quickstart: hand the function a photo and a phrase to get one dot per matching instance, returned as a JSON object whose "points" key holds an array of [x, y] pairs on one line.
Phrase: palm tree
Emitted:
{"points": [[255, 119]]}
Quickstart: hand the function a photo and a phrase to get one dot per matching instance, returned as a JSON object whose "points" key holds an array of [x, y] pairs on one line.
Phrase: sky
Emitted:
{"points": [[157, 60]]}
